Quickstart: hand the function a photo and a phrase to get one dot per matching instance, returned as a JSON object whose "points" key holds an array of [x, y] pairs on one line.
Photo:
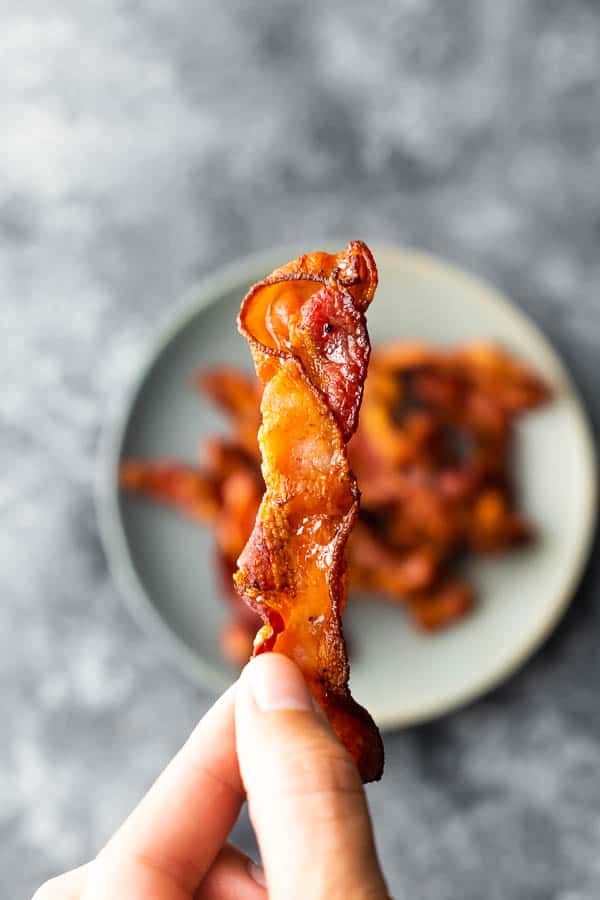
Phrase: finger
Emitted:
{"points": [[66, 887], [305, 797], [167, 845], [233, 876]]}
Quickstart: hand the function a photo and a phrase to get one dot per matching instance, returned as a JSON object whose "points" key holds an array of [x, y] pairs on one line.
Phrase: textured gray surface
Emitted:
{"points": [[145, 143]]}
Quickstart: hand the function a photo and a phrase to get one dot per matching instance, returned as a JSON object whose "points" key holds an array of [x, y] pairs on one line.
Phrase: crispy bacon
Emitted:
{"points": [[168, 481], [306, 328], [225, 494], [432, 458], [376, 566], [443, 604], [238, 395]]}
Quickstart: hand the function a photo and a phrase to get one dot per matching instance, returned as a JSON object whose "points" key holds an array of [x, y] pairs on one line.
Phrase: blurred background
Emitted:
{"points": [[145, 143]]}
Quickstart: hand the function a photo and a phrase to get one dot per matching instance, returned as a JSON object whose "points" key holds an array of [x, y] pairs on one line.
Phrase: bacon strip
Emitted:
{"points": [[224, 494], [306, 329], [173, 483]]}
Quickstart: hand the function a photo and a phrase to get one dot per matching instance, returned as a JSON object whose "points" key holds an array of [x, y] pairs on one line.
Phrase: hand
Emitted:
{"points": [[264, 739]]}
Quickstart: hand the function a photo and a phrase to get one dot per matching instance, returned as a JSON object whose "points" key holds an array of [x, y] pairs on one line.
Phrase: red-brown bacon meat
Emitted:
{"points": [[306, 328]]}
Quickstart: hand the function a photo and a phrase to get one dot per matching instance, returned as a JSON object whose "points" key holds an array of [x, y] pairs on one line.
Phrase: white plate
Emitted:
{"points": [[163, 563]]}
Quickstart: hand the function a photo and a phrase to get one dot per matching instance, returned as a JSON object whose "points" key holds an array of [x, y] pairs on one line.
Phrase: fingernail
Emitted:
{"points": [[276, 683], [257, 873]]}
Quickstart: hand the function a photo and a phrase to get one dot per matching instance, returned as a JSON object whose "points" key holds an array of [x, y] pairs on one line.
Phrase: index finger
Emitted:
{"points": [[166, 846]]}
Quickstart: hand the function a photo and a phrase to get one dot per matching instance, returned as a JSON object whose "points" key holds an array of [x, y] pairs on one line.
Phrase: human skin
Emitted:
{"points": [[265, 741]]}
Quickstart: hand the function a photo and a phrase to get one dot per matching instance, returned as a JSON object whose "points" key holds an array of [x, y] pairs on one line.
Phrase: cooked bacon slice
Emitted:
{"points": [[491, 371], [184, 487], [376, 566], [306, 328], [413, 577], [238, 395], [441, 605]]}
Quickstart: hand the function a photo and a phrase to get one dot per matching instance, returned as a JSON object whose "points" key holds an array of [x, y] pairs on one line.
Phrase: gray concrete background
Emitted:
{"points": [[144, 143]]}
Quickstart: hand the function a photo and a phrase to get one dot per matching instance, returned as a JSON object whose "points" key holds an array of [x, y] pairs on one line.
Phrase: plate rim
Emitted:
{"points": [[206, 293]]}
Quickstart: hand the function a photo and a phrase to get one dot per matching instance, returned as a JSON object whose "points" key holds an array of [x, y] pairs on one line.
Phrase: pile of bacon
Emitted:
{"points": [[432, 456]]}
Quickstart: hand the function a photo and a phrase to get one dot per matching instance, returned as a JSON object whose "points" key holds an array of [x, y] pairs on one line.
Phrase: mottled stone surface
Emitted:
{"points": [[144, 143]]}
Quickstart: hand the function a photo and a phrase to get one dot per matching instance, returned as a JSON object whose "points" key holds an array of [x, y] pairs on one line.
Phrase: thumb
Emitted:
{"points": [[305, 796]]}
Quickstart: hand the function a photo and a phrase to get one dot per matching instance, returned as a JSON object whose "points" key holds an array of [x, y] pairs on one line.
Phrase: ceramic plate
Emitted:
{"points": [[164, 564]]}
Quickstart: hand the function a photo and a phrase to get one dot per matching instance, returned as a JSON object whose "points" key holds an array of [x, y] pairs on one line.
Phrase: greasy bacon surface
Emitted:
{"points": [[432, 458], [224, 493], [306, 329]]}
